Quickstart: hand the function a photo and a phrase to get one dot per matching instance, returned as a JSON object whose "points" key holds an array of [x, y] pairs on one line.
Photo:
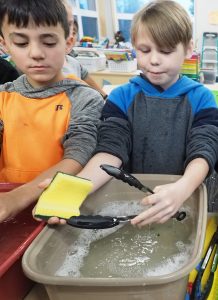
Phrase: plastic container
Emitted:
{"points": [[92, 64], [122, 66], [15, 236], [46, 254], [209, 76], [191, 67]]}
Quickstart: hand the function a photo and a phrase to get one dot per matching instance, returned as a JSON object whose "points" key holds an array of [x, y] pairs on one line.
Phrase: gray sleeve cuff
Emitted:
{"points": [[203, 143], [114, 137], [80, 139]]}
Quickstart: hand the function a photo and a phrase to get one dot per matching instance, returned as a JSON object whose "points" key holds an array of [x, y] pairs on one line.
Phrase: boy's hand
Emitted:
{"points": [[51, 221], [164, 203], [9, 205], [45, 183], [54, 220]]}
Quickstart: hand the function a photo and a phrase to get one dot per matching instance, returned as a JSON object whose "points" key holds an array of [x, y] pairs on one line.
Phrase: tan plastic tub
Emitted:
{"points": [[45, 255]]}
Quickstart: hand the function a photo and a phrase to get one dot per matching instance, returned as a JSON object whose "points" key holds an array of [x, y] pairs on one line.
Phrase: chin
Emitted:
{"points": [[41, 78]]}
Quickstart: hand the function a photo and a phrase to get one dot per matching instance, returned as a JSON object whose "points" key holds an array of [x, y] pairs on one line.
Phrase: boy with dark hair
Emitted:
{"points": [[53, 126]]}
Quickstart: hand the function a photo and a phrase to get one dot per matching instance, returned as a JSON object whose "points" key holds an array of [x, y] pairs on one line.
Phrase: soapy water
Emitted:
{"points": [[127, 251]]}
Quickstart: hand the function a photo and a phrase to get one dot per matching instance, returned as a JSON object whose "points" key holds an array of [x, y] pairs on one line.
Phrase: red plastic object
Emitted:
{"points": [[15, 236]]}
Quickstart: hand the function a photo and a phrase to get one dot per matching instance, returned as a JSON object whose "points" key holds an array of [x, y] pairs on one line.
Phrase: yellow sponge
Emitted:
{"points": [[63, 197]]}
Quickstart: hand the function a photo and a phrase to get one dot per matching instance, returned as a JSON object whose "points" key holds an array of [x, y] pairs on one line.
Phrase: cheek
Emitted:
{"points": [[138, 56], [141, 59], [57, 53], [18, 55], [57, 57], [176, 62]]}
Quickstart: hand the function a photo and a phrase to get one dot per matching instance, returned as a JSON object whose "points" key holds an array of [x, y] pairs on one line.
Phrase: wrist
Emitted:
{"points": [[25, 194], [187, 186]]}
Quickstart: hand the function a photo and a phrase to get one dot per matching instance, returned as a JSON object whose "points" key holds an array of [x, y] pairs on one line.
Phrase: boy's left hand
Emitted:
{"points": [[53, 220], [9, 205], [163, 204]]}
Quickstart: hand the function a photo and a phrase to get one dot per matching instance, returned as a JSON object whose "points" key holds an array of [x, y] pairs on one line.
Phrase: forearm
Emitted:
{"points": [[29, 192], [93, 171], [195, 173]]}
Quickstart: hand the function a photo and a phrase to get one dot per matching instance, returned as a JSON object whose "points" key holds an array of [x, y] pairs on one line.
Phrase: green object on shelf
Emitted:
{"points": [[216, 96]]}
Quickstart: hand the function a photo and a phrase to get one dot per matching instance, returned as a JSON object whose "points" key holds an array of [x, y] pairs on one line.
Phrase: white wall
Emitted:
{"points": [[202, 10]]}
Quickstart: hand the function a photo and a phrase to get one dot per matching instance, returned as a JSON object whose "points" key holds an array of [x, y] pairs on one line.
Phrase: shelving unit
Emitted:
{"points": [[209, 56], [191, 67]]}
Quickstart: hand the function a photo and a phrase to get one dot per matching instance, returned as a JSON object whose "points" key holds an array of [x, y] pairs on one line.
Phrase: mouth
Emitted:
{"points": [[155, 73], [38, 67]]}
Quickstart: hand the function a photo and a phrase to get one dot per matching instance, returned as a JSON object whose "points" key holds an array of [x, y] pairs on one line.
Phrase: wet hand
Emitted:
{"points": [[163, 204]]}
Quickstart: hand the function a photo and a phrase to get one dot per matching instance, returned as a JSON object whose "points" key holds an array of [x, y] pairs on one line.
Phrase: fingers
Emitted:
{"points": [[45, 183], [56, 220], [51, 221], [160, 209], [141, 220], [33, 214], [37, 219], [157, 188]]}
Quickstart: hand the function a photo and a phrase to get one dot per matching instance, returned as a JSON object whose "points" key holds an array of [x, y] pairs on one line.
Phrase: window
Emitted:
{"points": [[90, 27], [86, 14], [124, 10], [87, 4], [129, 7], [124, 26]]}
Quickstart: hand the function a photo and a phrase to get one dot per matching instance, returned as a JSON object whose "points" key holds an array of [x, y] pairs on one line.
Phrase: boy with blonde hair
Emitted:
{"points": [[160, 122], [48, 122]]}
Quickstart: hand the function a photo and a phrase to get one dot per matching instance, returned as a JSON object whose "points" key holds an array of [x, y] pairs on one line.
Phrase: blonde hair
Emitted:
{"points": [[167, 23]]}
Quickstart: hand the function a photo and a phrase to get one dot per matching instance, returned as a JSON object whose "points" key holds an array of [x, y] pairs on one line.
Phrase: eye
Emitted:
{"points": [[166, 51], [21, 45], [49, 44], [144, 50]]}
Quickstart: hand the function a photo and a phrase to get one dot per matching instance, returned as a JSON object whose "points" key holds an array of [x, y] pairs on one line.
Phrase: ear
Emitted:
{"points": [[3, 45], [189, 49], [69, 44]]}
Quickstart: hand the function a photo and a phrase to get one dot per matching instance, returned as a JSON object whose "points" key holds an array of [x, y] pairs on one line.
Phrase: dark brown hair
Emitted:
{"points": [[41, 12]]}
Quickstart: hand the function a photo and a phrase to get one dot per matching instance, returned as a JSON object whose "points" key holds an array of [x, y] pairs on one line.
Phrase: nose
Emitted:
{"points": [[35, 51], [154, 58]]}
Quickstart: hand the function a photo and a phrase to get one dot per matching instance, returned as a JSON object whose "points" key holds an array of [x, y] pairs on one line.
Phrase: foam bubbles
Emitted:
{"points": [[80, 249], [121, 208], [126, 251], [171, 264]]}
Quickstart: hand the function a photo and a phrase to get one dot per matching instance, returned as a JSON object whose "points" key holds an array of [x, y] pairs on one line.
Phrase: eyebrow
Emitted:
{"points": [[142, 45], [42, 36]]}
